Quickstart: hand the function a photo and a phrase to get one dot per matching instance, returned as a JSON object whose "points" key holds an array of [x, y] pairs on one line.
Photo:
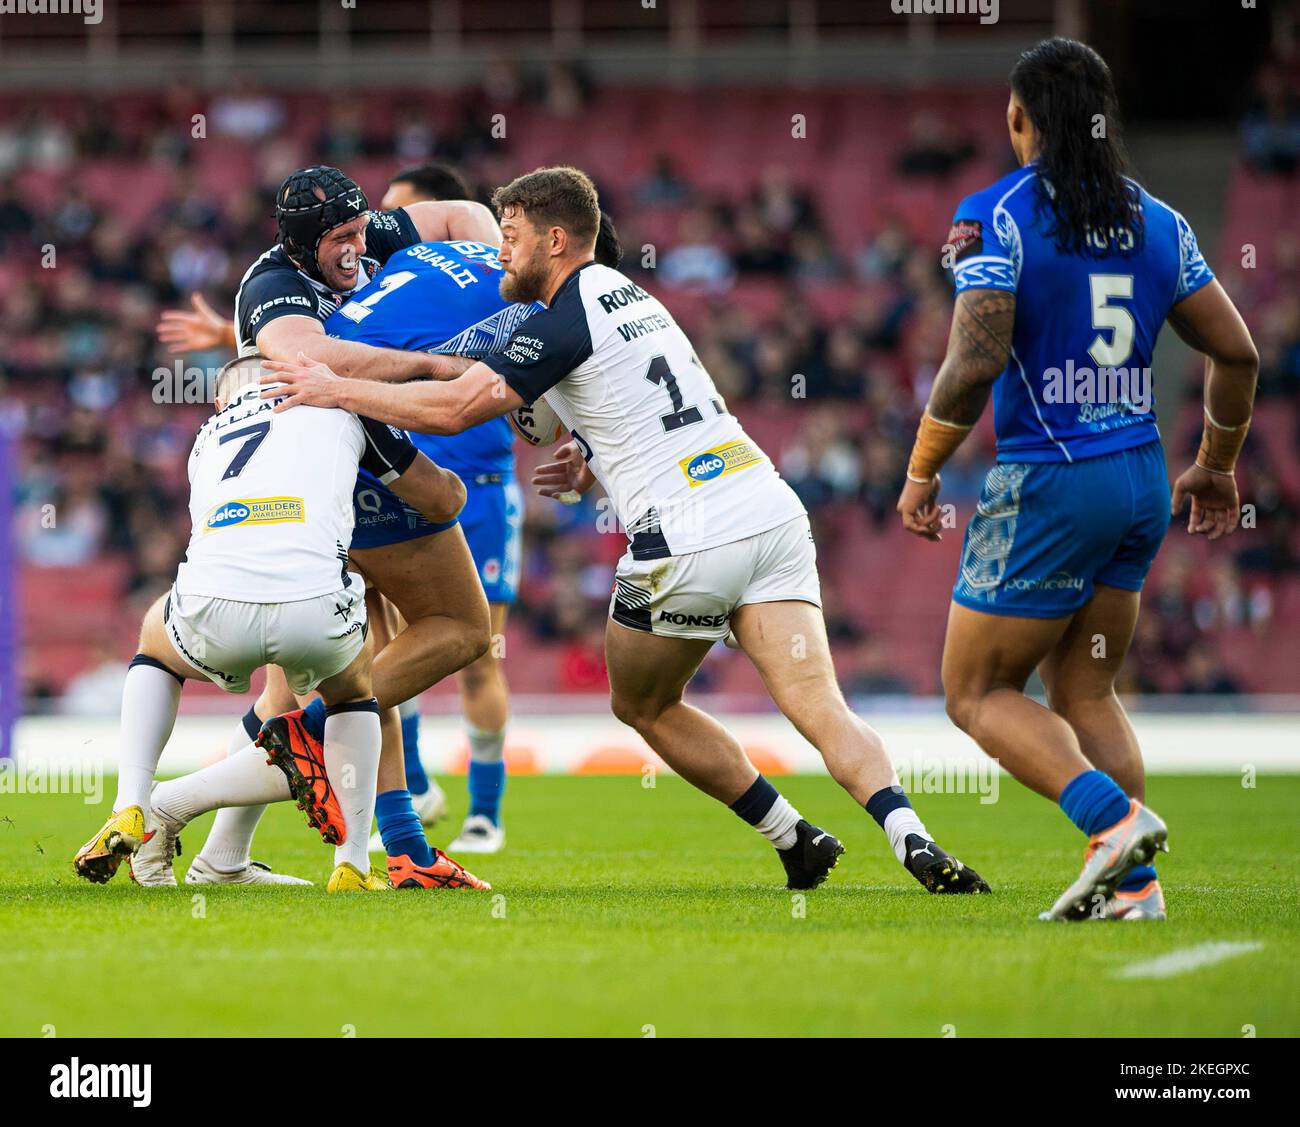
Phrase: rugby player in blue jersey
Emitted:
{"points": [[423, 301], [717, 542], [492, 520], [1066, 270], [425, 296], [330, 245], [444, 298]]}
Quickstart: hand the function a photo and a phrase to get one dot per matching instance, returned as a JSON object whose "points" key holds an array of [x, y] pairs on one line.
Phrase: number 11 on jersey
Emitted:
{"points": [[681, 415]]}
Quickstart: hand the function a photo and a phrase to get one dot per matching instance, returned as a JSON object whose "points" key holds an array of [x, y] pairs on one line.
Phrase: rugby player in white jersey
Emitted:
{"points": [[265, 580], [718, 541], [330, 245]]}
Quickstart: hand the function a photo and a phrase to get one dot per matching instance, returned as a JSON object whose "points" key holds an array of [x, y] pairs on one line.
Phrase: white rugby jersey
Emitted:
{"points": [[618, 371], [271, 498]]}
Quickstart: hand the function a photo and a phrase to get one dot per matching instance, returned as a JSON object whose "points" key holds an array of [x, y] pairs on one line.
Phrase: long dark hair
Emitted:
{"points": [[1064, 85]]}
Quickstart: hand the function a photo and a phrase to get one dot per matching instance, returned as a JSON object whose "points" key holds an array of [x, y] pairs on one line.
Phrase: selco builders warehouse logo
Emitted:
{"points": [[719, 462], [256, 510]]}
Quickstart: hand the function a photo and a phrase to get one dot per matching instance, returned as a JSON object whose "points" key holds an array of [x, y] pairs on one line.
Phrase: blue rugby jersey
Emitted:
{"points": [[441, 297], [1078, 382]]}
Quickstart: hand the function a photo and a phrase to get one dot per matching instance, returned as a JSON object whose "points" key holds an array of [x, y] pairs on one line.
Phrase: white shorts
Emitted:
{"points": [[693, 596], [227, 640]]}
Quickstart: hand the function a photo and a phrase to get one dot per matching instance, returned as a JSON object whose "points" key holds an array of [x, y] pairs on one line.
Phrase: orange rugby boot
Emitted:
{"points": [[301, 757], [445, 872]]}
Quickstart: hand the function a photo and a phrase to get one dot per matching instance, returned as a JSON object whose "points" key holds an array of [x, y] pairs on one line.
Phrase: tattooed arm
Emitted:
{"points": [[978, 347]]}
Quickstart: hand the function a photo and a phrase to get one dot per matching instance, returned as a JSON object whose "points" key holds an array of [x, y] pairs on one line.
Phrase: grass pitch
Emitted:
{"points": [[626, 911]]}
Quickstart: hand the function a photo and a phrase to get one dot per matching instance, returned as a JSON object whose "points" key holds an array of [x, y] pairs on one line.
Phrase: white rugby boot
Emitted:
{"points": [[431, 805], [1145, 903], [200, 872], [479, 834], [151, 864]]}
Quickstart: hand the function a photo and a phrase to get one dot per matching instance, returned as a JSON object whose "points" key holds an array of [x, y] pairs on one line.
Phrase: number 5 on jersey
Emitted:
{"points": [[1113, 317]]}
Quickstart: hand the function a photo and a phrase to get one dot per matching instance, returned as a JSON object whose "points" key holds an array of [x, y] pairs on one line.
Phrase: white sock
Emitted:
{"points": [[486, 746], [898, 824], [778, 824], [230, 840], [244, 779], [352, 763], [240, 736], [150, 698]]}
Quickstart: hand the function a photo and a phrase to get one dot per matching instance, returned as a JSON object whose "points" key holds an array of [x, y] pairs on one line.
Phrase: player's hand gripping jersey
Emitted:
{"points": [[617, 370], [431, 297], [271, 498], [444, 297], [1078, 383]]}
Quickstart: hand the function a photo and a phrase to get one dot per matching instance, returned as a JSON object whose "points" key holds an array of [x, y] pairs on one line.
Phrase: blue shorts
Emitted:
{"points": [[1045, 533], [492, 521], [382, 518]]}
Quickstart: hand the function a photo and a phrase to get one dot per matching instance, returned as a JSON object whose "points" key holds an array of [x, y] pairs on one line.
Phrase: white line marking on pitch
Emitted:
{"points": [[1186, 959]]}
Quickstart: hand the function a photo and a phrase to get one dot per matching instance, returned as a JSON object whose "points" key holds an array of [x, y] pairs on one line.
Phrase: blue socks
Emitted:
{"points": [[1093, 801], [1137, 879], [417, 782], [399, 826], [313, 719], [486, 782]]}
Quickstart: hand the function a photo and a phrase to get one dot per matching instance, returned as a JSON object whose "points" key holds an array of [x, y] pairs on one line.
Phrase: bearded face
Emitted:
{"points": [[525, 275]]}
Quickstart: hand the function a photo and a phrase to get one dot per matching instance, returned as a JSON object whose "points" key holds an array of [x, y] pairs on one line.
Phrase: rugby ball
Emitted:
{"points": [[538, 425]]}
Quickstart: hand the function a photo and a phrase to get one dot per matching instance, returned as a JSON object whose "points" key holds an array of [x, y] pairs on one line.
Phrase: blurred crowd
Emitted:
{"points": [[101, 474]]}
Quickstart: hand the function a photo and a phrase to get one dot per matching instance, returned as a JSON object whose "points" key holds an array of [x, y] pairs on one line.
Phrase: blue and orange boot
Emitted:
{"points": [[1145, 903], [301, 757], [445, 872]]}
